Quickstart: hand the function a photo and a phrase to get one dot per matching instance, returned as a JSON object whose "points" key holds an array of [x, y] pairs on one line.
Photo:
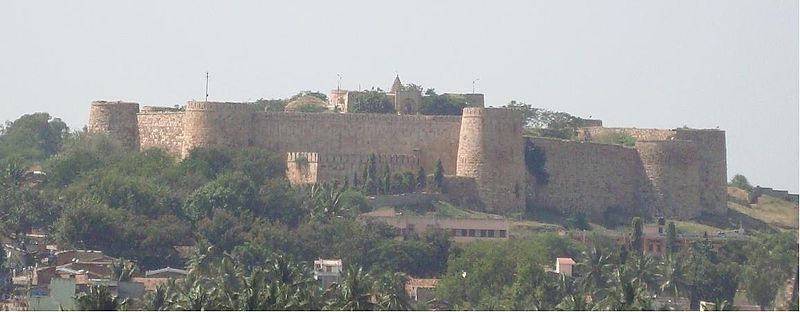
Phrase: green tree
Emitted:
{"points": [[99, 298], [230, 191], [636, 235], [354, 293], [422, 178], [442, 105], [392, 295], [672, 244], [376, 102], [546, 123], [387, 179], [741, 182], [32, 137], [438, 174]]}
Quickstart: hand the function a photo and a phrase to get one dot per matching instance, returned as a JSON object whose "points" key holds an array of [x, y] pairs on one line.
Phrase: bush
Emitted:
{"points": [[370, 102], [741, 182]]}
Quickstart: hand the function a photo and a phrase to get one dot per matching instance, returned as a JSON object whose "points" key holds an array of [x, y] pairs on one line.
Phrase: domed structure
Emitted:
{"points": [[306, 104]]}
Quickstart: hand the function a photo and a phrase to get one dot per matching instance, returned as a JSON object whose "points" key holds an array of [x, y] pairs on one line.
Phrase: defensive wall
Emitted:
{"points": [[588, 178], [676, 173], [310, 167]]}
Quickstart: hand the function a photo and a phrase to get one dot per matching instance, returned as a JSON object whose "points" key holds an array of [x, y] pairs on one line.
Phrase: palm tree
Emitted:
{"points": [[673, 279], [122, 271], [641, 271], [596, 264], [354, 293], [157, 300], [99, 298], [392, 292]]}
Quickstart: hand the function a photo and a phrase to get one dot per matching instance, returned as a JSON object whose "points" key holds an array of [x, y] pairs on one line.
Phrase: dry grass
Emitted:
{"points": [[773, 211]]}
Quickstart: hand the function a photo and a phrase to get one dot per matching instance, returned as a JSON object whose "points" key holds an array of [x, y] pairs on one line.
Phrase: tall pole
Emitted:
{"points": [[206, 86], [339, 83], [473, 84]]}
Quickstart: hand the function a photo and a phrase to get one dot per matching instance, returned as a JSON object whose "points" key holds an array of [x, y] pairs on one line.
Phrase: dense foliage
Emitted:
{"points": [[546, 123], [376, 102]]}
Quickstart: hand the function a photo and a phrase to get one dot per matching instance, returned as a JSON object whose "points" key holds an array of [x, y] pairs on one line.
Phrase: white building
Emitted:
{"points": [[327, 272]]}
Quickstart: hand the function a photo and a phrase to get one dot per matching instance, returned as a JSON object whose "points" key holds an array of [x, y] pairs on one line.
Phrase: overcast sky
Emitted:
{"points": [[660, 64]]}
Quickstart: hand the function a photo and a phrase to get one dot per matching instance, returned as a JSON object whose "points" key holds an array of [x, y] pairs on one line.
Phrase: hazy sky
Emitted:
{"points": [[660, 64]]}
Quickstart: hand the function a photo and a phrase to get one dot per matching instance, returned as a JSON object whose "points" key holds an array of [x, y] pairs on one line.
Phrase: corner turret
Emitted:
{"points": [[491, 150], [117, 119]]}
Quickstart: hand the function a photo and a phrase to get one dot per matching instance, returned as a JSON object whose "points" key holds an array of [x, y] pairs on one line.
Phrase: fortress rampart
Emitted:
{"points": [[672, 168], [678, 173], [117, 119], [588, 178], [490, 149], [309, 167]]}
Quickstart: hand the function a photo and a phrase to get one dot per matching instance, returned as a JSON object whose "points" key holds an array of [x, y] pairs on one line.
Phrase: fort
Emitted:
{"points": [[677, 173]]}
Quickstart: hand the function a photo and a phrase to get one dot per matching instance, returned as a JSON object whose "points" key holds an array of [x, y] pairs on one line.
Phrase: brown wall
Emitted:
{"points": [[427, 137], [490, 150], [640, 134], [117, 119], [588, 178], [673, 168], [162, 130], [713, 166], [309, 167]]}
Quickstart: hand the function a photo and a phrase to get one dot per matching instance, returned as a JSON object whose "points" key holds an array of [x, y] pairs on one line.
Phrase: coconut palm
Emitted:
{"points": [[354, 293], [596, 265], [673, 279], [392, 293], [642, 270], [122, 271], [99, 298]]}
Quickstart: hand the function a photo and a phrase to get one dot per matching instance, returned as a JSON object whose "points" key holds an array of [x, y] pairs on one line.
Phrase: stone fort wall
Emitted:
{"points": [[654, 178], [309, 167], [678, 172], [161, 130], [588, 178], [428, 138]]}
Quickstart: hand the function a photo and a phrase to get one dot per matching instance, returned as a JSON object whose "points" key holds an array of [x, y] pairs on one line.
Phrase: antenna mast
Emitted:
{"points": [[206, 86]]}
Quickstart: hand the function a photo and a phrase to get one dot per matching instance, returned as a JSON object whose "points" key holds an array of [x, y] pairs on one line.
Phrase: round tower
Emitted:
{"points": [[713, 167], [216, 124], [672, 167], [490, 150], [117, 119]]}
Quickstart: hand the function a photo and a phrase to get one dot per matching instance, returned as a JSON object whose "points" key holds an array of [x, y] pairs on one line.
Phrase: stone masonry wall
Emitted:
{"points": [[162, 130], [586, 133], [427, 138], [711, 153], [319, 167], [588, 178], [217, 124], [490, 150], [673, 168], [117, 119]]}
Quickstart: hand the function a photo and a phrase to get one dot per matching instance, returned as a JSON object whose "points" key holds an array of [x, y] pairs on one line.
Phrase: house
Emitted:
{"points": [[421, 289], [59, 295], [460, 229], [167, 273], [564, 266], [328, 272]]}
